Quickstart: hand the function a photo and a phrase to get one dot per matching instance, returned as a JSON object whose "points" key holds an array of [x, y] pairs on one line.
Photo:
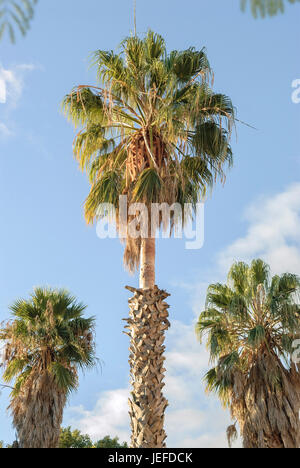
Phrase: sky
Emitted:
{"points": [[44, 239]]}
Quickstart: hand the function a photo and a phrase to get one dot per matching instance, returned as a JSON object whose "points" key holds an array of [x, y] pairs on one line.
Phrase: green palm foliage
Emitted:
{"points": [[16, 14], [152, 129], [265, 8], [250, 324], [46, 343]]}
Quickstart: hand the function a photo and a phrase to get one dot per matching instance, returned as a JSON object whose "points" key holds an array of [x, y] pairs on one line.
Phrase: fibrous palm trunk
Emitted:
{"points": [[267, 407], [147, 324], [37, 413]]}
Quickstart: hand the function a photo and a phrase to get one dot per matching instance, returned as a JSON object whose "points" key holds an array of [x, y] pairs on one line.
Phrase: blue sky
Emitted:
{"points": [[44, 239]]}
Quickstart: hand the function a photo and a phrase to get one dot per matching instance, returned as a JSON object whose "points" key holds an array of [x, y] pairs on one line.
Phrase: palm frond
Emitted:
{"points": [[148, 187], [265, 8], [16, 14]]}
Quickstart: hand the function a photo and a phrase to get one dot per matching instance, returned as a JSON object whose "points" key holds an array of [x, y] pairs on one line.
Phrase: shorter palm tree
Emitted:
{"points": [[45, 344], [251, 324]]}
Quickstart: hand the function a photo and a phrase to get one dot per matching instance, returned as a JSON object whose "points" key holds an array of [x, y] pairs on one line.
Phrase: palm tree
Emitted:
{"points": [[45, 344], [265, 8], [155, 132], [251, 324]]}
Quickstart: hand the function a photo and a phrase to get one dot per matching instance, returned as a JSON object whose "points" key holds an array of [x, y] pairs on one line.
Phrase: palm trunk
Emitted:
{"points": [[147, 274], [38, 413], [268, 412], [147, 324]]}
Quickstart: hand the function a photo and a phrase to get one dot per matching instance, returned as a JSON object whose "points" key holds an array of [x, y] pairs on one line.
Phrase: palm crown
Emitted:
{"points": [[251, 324], [153, 130], [48, 335]]}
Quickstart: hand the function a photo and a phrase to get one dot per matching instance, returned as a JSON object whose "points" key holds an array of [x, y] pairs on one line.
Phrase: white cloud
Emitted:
{"points": [[183, 353], [11, 89], [11, 85], [108, 417], [2, 91], [199, 417], [273, 233], [4, 130]]}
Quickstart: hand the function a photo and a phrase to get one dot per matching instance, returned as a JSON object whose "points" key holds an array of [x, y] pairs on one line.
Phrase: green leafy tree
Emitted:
{"points": [[265, 8], [109, 443], [74, 439], [45, 344], [16, 14], [251, 324], [154, 131]]}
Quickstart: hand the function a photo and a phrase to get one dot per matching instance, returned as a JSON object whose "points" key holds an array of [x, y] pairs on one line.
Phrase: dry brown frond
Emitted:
{"points": [[267, 409], [38, 412], [232, 435], [142, 149]]}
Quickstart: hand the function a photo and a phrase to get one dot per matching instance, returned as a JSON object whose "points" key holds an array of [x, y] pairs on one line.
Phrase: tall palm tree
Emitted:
{"points": [[45, 344], [251, 324], [153, 131]]}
